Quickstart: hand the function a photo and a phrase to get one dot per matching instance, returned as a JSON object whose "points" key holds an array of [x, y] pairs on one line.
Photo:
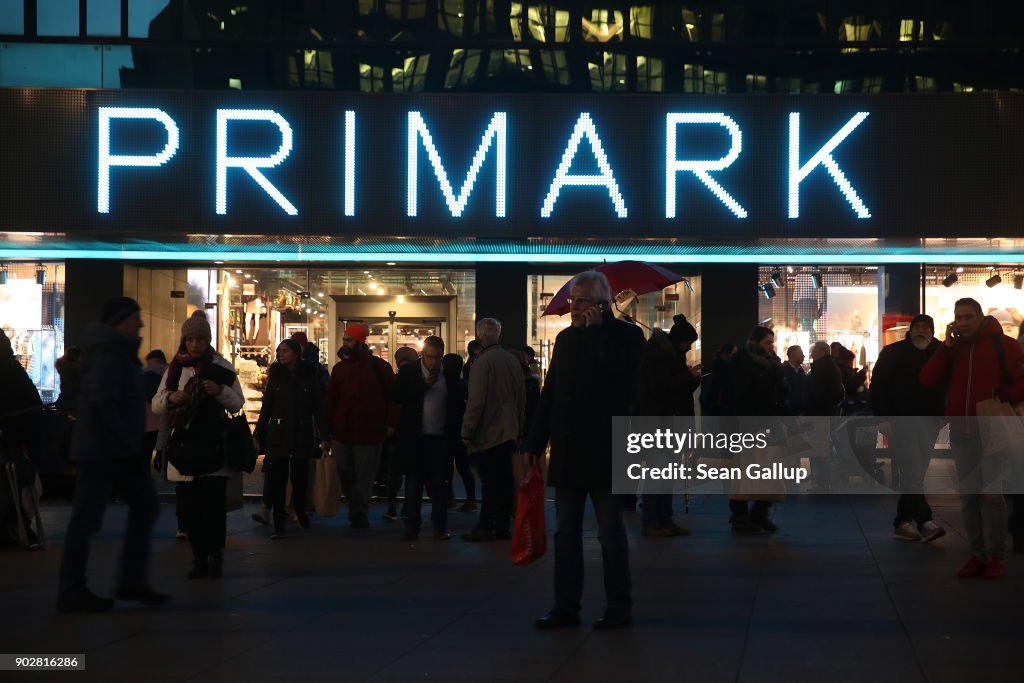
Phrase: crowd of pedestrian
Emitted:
{"points": [[438, 416]]}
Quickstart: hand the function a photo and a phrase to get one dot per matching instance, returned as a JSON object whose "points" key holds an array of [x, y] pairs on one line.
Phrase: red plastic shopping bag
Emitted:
{"points": [[530, 539]]}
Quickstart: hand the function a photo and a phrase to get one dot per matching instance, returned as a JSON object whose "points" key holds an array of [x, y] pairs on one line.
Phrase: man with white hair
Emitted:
{"points": [[593, 369], [491, 426]]}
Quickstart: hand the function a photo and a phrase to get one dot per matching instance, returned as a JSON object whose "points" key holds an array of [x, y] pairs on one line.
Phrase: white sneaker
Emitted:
{"points": [[906, 532], [931, 531]]}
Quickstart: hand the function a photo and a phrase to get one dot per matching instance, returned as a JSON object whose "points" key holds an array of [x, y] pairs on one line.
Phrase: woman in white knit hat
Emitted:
{"points": [[197, 389]]}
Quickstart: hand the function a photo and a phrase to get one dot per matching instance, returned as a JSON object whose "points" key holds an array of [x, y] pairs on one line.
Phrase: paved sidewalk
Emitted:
{"points": [[832, 597]]}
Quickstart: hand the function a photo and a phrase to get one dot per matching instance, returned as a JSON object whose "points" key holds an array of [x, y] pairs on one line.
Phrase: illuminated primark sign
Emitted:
{"points": [[496, 166], [585, 139]]}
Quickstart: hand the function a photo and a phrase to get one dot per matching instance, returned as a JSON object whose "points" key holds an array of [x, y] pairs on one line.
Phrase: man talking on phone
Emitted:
{"points": [[978, 362], [590, 380]]}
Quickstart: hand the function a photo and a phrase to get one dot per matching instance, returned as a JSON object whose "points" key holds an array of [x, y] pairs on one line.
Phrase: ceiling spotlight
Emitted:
{"points": [[777, 279], [994, 280], [3, 275], [1018, 281], [769, 290], [816, 279], [950, 280], [40, 274]]}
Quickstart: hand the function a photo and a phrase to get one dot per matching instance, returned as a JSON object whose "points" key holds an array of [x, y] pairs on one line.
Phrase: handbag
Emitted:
{"points": [[239, 449], [326, 487], [194, 458], [530, 538]]}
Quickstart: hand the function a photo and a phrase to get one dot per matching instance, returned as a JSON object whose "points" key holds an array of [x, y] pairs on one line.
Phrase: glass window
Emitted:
{"points": [[12, 17], [57, 17], [32, 317], [103, 17], [51, 66], [1002, 300], [650, 311], [832, 304]]}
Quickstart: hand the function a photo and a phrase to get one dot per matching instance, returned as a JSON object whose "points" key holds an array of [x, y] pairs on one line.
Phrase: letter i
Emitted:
{"points": [[350, 163]]}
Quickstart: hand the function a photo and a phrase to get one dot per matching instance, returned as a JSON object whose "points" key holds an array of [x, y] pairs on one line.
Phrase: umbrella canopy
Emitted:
{"points": [[627, 278]]}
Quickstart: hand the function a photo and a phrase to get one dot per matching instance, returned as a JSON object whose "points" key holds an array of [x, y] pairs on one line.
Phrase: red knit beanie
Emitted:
{"points": [[358, 332]]}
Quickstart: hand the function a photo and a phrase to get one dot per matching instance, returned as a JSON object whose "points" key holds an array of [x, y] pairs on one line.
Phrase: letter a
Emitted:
{"points": [[584, 128]]}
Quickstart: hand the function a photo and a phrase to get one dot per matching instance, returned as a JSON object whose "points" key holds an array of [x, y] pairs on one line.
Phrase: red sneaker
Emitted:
{"points": [[994, 570], [972, 569]]}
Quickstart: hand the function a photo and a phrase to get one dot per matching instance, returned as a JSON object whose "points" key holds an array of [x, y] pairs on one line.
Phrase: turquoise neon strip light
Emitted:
{"points": [[915, 255]]}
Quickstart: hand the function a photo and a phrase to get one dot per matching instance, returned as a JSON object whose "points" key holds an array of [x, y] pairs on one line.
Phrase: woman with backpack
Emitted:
{"points": [[290, 426], [198, 389]]}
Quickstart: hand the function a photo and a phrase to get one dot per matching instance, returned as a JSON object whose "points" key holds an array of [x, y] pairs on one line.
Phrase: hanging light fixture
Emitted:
{"points": [[950, 280], [994, 280], [769, 290], [777, 279], [816, 279], [3, 275], [1018, 281], [40, 274]]}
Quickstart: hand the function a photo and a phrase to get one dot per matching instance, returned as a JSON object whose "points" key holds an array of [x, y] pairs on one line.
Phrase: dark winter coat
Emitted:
{"points": [[664, 385], [409, 392], [824, 388], [19, 400], [291, 421], [796, 380], [532, 386], [112, 407], [716, 398], [758, 385], [896, 387], [357, 401], [591, 380], [972, 372]]}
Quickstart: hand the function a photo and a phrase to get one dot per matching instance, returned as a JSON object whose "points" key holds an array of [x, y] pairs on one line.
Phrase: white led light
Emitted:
{"points": [[584, 128], [701, 167], [350, 163], [496, 130], [822, 157], [251, 165], [108, 160]]}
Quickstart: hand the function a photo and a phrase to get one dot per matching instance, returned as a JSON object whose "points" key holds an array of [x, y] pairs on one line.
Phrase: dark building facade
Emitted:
{"points": [[823, 167]]}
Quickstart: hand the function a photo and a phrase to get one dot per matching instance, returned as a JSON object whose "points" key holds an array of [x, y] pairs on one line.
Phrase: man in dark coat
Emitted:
{"points": [[796, 379], [824, 388], [896, 391], [107, 447], [429, 425], [593, 369], [664, 387]]}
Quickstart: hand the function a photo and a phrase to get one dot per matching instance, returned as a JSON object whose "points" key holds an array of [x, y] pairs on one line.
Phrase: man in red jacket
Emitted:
{"points": [[362, 415], [979, 362]]}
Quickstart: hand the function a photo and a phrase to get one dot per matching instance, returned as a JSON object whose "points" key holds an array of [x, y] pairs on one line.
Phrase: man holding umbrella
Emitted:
{"points": [[590, 380]]}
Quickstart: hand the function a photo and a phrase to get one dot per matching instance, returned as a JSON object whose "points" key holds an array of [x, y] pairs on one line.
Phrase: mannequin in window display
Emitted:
{"points": [[253, 310]]}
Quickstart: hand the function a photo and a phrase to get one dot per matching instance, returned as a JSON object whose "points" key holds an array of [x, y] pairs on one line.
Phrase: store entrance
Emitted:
{"points": [[395, 321]]}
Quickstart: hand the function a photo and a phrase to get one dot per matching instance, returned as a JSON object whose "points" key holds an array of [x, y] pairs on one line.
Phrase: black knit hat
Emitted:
{"points": [[922, 318], [682, 331], [117, 309]]}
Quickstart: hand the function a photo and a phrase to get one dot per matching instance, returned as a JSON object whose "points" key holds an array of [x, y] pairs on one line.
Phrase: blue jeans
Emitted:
{"points": [[570, 504], [429, 466], [97, 481]]}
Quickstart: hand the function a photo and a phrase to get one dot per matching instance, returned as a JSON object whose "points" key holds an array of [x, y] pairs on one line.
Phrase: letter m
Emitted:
{"points": [[496, 132]]}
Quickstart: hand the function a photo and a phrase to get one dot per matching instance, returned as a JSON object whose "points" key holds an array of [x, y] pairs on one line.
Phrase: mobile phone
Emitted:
{"points": [[602, 306]]}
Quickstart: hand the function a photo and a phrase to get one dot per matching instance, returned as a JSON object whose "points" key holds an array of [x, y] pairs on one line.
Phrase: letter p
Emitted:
{"points": [[108, 160]]}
